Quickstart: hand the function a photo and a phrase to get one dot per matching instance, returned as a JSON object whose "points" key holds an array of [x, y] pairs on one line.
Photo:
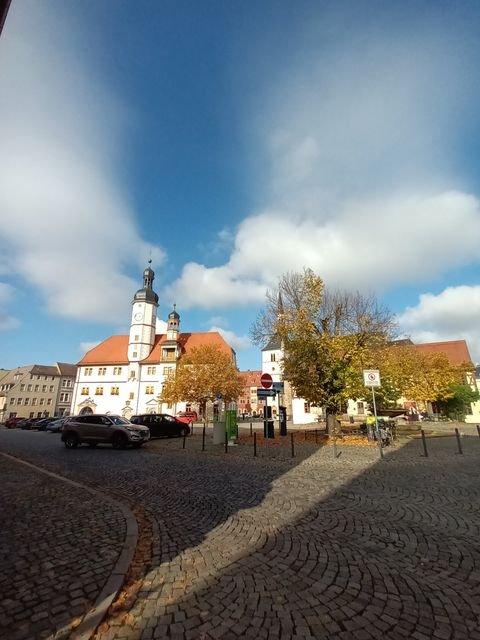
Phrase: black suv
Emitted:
{"points": [[162, 425], [106, 428]]}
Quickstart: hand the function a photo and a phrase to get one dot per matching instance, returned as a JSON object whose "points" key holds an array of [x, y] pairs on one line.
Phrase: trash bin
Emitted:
{"points": [[219, 432]]}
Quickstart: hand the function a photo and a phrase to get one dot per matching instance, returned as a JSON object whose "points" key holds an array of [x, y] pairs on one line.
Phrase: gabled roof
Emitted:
{"points": [[66, 369], [273, 344], [251, 378], [456, 350], [114, 350]]}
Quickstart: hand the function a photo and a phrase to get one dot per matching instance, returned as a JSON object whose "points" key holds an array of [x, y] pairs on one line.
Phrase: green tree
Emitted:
{"points": [[202, 374], [328, 337], [456, 406]]}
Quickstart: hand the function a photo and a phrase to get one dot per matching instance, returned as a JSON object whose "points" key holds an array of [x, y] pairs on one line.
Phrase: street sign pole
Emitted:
{"points": [[371, 378], [377, 430]]}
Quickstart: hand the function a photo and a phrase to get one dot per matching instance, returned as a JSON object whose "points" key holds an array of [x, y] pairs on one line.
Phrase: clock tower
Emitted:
{"points": [[144, 317]]}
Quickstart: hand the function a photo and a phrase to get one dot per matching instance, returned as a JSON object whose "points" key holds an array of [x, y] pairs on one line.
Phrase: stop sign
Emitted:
{"points": [[266, 380]]}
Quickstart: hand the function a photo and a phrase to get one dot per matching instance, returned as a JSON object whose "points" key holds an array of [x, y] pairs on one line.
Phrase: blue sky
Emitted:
{"points": [[232, 142]]}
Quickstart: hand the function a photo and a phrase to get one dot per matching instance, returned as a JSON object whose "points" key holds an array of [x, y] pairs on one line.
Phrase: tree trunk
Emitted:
{"points": [[331, 421]]}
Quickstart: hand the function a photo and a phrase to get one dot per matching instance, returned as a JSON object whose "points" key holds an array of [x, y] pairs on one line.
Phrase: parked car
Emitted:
{"points": [[42, 423], [187, 416], [12, 423], [57, 425], [162, 425], [103, 428]]}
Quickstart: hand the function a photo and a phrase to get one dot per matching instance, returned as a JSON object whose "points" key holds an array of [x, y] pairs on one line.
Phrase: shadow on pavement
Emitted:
{"points": [[322, 547]]}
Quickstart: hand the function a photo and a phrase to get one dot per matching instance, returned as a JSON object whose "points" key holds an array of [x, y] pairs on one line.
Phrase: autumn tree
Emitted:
{"points": [[201, 375], [408, 373], [327, 337]]}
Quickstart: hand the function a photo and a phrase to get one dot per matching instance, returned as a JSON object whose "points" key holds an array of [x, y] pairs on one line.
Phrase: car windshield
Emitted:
{"points": [[118, 420]]}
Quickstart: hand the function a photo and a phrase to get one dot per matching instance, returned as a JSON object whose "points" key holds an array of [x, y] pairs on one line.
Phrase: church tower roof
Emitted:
{"points": [[146, 293]]}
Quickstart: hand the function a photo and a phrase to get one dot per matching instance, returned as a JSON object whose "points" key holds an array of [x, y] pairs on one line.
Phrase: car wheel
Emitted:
{"points": [[119, 441], [71, 441]]}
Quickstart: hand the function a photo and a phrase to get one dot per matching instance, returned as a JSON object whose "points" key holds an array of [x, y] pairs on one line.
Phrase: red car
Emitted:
{"points": [[11, 423], [187, 416]]}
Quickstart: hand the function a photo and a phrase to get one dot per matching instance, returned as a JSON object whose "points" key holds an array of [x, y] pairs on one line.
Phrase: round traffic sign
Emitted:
{"points": [[266, 381]]}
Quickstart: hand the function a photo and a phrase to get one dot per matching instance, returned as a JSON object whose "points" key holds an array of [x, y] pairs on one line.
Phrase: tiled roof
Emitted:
{"points": [[456, 350], [66, 369], [251, 378], [114, 350]]}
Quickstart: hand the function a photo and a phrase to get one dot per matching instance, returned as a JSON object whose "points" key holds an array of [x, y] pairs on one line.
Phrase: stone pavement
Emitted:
{"points": [[278, 547]]}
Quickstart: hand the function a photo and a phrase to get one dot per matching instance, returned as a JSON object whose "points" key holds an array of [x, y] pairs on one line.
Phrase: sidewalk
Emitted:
{"points": [[60, 545]]}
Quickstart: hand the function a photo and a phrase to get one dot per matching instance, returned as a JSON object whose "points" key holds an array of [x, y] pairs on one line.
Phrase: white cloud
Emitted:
{"points": [[86, 346], [161, 326], [236, 342], [359, 184], [6, 322], [65, 224], [451, 315]]}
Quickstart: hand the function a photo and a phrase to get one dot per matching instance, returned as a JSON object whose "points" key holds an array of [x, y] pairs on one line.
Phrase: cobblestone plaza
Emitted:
{"points": [[228, 545]]}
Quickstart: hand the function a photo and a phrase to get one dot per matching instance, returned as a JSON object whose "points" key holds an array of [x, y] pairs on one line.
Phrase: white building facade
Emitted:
{"points": [[125, 374]]}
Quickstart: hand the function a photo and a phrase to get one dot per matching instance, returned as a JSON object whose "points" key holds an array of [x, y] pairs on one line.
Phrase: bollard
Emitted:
{"points": [[457, 433], [203, 439], [293, 446], [226, 441], [184, 438], [255, 444], [251, 429], [425, 452], [316, 437], [305, 435], [478, 429]]}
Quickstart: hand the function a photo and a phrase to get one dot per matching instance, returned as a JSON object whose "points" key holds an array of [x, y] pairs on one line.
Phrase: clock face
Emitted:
{"points": [[138, 316]]}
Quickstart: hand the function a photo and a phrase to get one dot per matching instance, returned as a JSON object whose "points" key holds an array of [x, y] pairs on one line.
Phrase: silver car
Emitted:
{"points": [[103, 428]]}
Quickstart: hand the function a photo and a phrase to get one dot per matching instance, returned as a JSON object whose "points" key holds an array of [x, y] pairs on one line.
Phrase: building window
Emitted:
{"points": [[114, 391], [102, 371], [34, 401], [149, 389], [52, 388], [19, 401], [49, 401], [99, 391], [131, 395], [88, 371], [12, 400], [22, 387], [64, 397], [37, 387], [44, 388], [137, 338], [117, 371], [151, 371], [167, 371], [306, 407], [272, 357], [42, 401], [67, 384], [27, 401], [29, 387], [84, 391], [135, 354]]}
